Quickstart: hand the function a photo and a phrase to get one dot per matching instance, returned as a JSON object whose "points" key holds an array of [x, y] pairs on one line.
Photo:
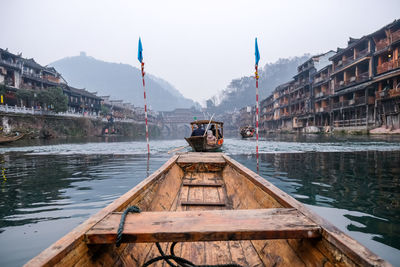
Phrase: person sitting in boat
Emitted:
{"points": [[211, 139], [198, 130], [214, 131]]}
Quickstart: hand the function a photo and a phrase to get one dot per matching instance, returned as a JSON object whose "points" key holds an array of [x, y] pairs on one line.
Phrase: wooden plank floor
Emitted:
{"points": [[241, 252], [246, 253]]}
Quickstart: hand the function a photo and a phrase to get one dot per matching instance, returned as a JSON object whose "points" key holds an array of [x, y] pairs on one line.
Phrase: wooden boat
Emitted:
{"points": [[10, 139], [247, 131], [219, 211], [199, 143]]}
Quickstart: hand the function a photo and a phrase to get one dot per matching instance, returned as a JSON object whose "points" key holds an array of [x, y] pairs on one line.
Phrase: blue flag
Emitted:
{"points": [[140, 51], [257, 53]]}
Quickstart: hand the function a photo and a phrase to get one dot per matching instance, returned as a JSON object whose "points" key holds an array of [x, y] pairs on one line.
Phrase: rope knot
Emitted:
{"points": [[134, 209]]}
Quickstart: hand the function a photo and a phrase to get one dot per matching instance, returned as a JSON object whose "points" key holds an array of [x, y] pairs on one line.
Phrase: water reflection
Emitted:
{"points": [[366, 184], [46, 196], [51, 189]]}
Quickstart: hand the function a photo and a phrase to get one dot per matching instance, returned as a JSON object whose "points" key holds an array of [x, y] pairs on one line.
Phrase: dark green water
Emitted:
{"points": [[51, 188]]}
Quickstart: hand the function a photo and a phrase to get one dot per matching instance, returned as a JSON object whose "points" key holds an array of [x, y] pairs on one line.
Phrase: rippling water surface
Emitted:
{"points": [[50, 187]]}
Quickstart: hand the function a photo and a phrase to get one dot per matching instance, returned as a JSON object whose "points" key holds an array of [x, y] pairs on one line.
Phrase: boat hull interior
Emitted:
{"points": [[197, 182]]}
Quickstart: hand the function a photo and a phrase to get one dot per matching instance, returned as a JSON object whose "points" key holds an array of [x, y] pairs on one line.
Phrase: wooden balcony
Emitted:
{"points": [[350, 123], [389, 65], [11, 64], [386, 94], [381, 44], [343, 63], [322, 109], [396, 36], [359, 101], [394, 92], [353, 80], [321, 94], [320, 79], [362, 53], [371, 100]]}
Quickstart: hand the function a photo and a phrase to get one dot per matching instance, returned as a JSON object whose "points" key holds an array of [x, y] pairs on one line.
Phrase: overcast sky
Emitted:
{"points": [[198, 46]]}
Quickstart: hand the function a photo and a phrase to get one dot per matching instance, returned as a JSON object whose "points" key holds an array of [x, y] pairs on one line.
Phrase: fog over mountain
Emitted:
{"points": [[120, 81], [241, 92]]}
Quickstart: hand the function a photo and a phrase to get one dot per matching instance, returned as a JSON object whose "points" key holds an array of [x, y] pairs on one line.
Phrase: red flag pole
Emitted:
{"points": [[256, 73], [145, 110]]}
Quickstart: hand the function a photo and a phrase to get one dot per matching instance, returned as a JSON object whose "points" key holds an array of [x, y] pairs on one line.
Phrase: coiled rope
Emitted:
{"points": [[180, 261], [121, 223]]}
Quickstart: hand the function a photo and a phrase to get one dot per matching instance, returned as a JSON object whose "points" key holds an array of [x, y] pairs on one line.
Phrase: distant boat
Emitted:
{"points": [[10, 139], [247, 131], [199, 143]]}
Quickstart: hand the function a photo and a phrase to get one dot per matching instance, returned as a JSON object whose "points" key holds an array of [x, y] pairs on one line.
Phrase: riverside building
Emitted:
{"points": [[356, 87], [18, 73]]}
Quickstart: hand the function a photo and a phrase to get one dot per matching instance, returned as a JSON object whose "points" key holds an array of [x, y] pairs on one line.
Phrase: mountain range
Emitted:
{"points": [[120, 81], [123, 81], [241, 91]]}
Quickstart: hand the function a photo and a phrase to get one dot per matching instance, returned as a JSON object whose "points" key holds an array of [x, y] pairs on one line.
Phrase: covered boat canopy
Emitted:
{"points": [[206, 122]]}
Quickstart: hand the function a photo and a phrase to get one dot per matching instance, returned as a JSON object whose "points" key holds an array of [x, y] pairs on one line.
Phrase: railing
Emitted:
{"points": [[321, 79], [9, 82], [325, 109], [336, 105], [394, 92], [388, 93], [35, 75], [362, 53], [381, 44], [343, 63], [359, 100], [40, 78], [350, 123], [395, 36], [51, 78], [353, 80], [10, 64], [35, 111], [322, 109], [317, 80], [371, 100], [389, 65], [300, 83], [321, 94], [349, 102], [349, 60], [283, 103], [285, 114]]}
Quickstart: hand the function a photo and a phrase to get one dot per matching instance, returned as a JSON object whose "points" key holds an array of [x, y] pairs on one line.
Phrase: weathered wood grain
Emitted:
{"points": [[205, 226], [343, 245], [75, 239]]}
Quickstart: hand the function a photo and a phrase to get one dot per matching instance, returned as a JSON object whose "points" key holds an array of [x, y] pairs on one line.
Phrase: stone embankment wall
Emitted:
{"points": [[56, 126]]}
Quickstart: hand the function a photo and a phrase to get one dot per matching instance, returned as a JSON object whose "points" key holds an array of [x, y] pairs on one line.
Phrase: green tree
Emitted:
{"points": [[3, 89], [104, 110], [54, 98], [25, 95]]}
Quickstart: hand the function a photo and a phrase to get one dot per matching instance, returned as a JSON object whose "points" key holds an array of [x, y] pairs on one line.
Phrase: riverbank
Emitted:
{"points": [[48, 126], [354, 130]]}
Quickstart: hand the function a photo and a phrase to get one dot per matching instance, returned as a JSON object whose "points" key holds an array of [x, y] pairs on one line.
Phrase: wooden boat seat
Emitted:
{"points": [[209, 225]]}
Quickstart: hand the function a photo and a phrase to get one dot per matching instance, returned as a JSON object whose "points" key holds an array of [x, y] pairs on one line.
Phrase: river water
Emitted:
{"points": [[49, 187]]}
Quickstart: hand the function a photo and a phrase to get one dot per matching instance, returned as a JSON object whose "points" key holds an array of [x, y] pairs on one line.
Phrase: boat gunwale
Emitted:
{"points": [[56, 251], [206, 147], [347, 245], [10, 139]]}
